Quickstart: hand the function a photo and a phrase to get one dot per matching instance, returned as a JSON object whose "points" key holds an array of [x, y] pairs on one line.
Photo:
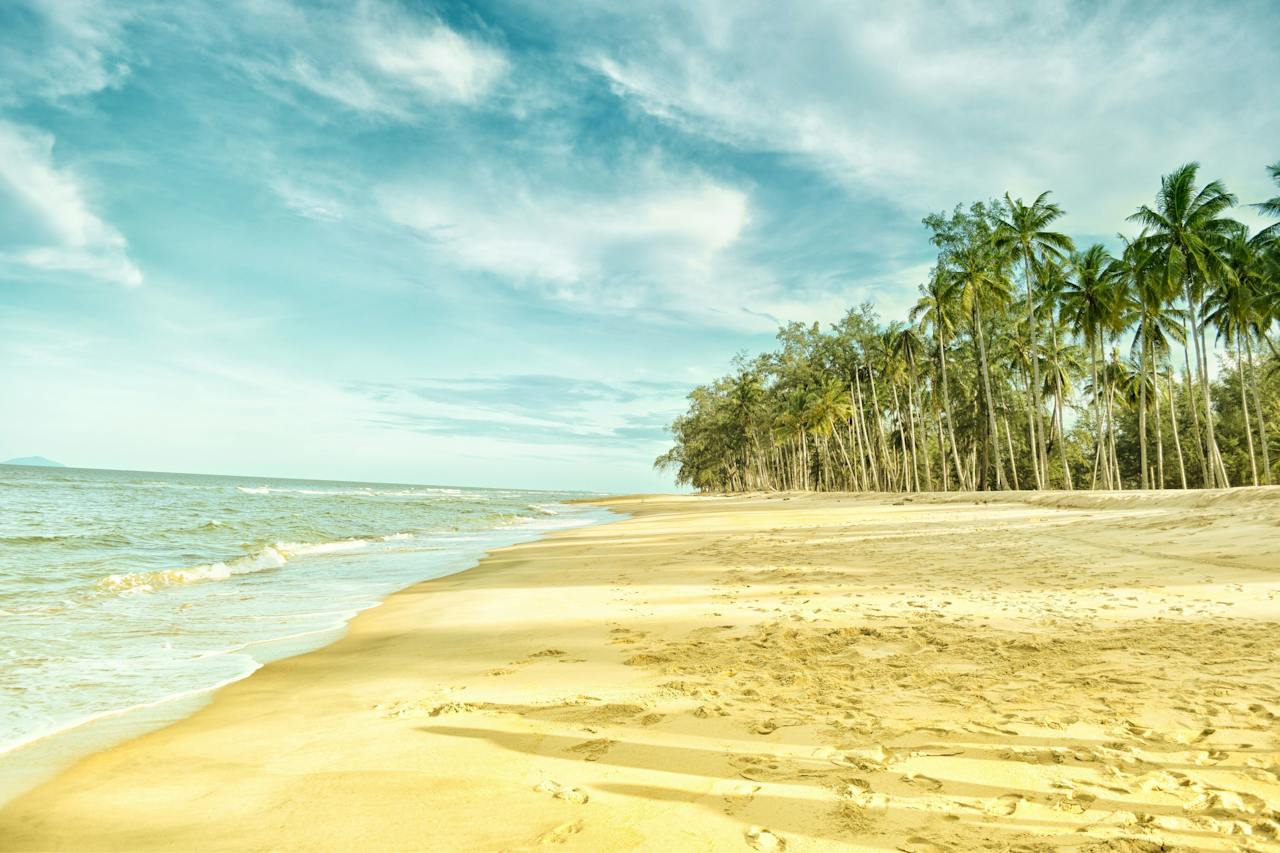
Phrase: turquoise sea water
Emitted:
{"points": [[122, 589]]}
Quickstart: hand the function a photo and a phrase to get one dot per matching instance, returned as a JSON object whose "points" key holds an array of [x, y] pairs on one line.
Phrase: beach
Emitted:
{"points": [[1016, 671]]}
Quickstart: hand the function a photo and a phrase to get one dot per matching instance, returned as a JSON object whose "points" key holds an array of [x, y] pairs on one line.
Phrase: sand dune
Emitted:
{"points": [[1084, 672]]}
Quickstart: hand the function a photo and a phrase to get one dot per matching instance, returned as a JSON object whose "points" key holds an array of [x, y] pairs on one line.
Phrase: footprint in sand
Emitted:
{"points": [[569, 794], [593, 750], [1004, 805], [561, 833], [916, 844], [759, 838], [927, 782], [740, 796]]}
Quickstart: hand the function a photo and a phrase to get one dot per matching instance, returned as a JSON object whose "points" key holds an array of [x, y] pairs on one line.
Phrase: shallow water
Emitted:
{"points": [[122, 589]]}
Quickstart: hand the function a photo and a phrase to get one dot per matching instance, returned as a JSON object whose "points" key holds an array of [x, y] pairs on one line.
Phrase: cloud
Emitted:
{"points": [[49, 224], [307, 199], [658, 247], [373, 57], [57, 49], [531, 409], [928, 106]]}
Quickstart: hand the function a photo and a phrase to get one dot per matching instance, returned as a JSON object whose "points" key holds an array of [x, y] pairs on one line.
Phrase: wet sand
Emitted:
{"points": [[1082, 672]]}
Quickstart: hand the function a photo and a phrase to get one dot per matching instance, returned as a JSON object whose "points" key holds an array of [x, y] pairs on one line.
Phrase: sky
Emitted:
{"points": [[497, 243]]}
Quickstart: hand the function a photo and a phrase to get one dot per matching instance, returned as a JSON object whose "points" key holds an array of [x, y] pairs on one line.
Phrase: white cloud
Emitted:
{"points": [[927, 106], [659, 248], [49, 223], [371, 57], [61, 49], [308, 200]]}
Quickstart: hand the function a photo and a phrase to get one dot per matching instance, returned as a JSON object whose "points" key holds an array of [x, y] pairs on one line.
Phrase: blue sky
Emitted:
{"points": [[496, 243]]}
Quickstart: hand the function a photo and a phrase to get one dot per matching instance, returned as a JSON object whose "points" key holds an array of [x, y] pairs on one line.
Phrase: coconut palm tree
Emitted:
{"points": [[1156, 323], [937, 311], [1187, 229], [1089, 304], [1232, 307], [1271, 206], [983, 286], [1024, 231], [874, 405]]}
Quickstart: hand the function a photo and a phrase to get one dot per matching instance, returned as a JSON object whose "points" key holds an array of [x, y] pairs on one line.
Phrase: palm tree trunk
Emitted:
{"points": [[911, 420], [993, 434], [907, 471], [1257, 410], [1097, 415], [866, 435], [1244, 406], [946, 405], [1038, 452], [853, 479], [1177, 440], [1062, 437], [1195, 413], [1159, 430], [885, 451], [924, 439], [942, 453], [855, 441], [1142, 412], [1202, 371], [1111, 461], [1008, 435]]}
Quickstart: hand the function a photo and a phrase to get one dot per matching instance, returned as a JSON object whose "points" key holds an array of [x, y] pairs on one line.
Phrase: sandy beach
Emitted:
{"points": [[1086, 672]]}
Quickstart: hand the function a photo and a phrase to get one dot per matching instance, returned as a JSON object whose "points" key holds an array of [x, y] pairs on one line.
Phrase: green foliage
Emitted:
{"points": [[1025, 364]]}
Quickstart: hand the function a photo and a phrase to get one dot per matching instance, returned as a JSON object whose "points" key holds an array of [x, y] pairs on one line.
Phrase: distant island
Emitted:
{"points": [[34, 460]]}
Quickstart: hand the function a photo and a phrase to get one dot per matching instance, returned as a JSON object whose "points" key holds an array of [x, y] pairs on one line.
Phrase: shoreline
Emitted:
{"points": [[664, 681], [42, 755]]}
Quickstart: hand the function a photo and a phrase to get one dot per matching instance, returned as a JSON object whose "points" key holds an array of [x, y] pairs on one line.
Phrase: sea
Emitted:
{"points": [[128, 597]]}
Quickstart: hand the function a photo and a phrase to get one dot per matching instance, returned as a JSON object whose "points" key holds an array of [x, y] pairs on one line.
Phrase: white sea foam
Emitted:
{"points": [[267, 558], [423, 492], [270, 557], [303, 549]]}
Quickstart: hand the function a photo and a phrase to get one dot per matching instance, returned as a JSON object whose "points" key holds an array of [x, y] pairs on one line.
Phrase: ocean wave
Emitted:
{"points": [[34, 539], [542, 508], [270, 557], [430, 493], [267, 558], [301, 549]]}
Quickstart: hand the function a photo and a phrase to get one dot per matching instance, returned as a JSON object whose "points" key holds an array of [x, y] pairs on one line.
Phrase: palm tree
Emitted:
{"points": [[1271, 206], [909, 349], [1232, 306], [1062, 364], [1024, 231], [1131, 273], [1089, 305], [936, 311], [1187, 230], [1151, 302], [860, 406], [746, 398], [981, 283]]}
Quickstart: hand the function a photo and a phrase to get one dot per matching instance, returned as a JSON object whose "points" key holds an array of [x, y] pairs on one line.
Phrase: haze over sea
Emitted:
{"points": [[122, 589]]}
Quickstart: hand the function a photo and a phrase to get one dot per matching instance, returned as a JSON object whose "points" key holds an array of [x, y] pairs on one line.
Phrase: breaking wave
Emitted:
{"points": [[270, 557], [424, 492]]}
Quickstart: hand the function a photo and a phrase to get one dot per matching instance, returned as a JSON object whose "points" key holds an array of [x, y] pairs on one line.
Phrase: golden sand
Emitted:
{"points": [[1081, 672]]}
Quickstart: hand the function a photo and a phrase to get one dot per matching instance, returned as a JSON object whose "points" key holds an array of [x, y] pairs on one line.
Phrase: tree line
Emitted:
{"points": [[1026, 363]]}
